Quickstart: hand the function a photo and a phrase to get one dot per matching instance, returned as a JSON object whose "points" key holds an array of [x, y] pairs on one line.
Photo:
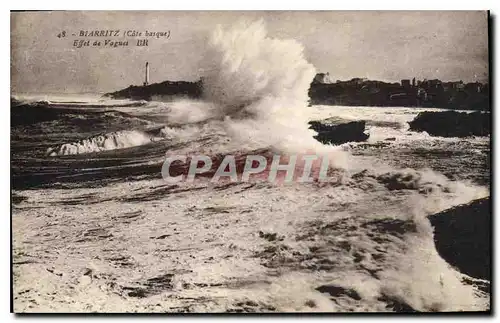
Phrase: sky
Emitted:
{"points": [[379, 45]]}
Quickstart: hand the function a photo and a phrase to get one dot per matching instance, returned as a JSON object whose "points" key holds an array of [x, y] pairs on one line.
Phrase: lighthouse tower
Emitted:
{"points": [[146, 78]]}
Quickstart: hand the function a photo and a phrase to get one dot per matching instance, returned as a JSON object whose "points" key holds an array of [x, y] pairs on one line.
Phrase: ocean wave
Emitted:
{"points": [[328, 247], [104, 142], [361, 242], [257, 85]]}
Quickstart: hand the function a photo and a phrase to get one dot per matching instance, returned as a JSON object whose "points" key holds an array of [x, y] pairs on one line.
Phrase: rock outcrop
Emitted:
{"points": [[29, 113], [462, 237], [168, 88], [452, 123], [339, 133]]}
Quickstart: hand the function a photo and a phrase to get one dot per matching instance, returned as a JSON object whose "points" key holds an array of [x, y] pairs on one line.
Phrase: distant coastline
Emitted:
{"points": [[455, 95]]}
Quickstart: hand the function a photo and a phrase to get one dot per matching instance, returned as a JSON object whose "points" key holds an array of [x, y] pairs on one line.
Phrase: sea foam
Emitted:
{"points": [[108, 141]]}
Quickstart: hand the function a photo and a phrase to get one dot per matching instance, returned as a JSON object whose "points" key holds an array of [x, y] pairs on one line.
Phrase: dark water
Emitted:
{"points": [[37, 128]]}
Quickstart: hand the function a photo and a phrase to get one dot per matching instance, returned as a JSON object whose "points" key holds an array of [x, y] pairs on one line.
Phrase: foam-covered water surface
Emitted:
{"points": [[96, 228]]}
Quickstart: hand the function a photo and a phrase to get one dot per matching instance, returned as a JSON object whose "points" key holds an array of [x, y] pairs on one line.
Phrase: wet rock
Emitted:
{"points": [[391, 226], [16, 198], [452, 123], [462, 237], [339, 133]]}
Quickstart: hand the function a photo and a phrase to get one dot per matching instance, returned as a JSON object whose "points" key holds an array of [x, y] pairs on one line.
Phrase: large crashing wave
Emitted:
{"points": [[245, 69], [259, 87]]}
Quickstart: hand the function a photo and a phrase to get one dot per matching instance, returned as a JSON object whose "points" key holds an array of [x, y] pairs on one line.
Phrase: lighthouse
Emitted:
{"points": [[146, 77]]}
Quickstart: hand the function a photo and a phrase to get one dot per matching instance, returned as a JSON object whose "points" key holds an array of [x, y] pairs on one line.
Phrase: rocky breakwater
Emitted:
{"points": [[24, 113], [339, 133], [452, 123]]}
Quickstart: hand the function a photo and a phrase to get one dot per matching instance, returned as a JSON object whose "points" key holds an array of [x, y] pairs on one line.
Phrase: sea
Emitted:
{"points": [[97, 229]]}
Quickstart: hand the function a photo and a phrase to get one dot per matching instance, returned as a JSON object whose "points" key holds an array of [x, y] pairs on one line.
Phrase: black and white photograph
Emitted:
{"points": [[250, 161]]}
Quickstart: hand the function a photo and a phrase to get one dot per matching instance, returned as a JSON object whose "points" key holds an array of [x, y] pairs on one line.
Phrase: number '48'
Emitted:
{"points": [[62, 34]]}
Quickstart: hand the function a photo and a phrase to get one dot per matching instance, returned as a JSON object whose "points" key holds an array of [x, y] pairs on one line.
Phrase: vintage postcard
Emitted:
{"points": [[250, 161]]}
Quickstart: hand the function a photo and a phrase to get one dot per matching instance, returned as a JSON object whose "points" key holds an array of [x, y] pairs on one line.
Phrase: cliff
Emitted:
{"points": [[462, 237], [339, 133], [452, 123]]}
